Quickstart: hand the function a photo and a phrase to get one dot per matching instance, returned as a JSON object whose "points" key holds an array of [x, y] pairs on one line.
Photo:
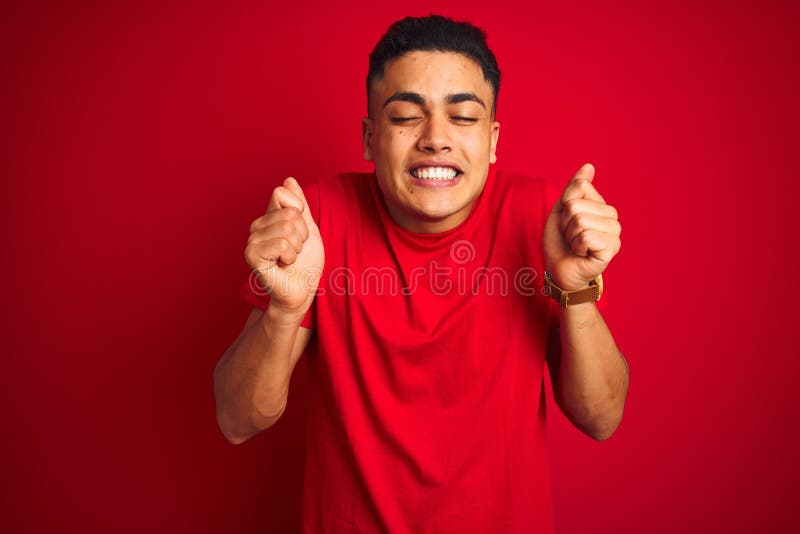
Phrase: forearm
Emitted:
{"points": [[251, 380], [593, 374]]}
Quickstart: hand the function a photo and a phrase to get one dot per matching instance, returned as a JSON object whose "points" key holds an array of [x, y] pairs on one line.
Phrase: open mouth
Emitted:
{"points": [[424, 172]]}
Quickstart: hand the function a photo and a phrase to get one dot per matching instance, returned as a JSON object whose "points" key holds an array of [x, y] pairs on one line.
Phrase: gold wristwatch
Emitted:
{"points": [[590, 293]]}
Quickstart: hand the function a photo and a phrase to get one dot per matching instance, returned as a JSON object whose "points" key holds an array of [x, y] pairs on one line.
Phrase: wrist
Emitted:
{"points": [[566, 284], [574, 286], [573, 294], [279, 314]]}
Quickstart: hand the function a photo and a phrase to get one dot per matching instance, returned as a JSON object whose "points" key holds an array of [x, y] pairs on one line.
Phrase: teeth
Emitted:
{"points": [[434, 173]]}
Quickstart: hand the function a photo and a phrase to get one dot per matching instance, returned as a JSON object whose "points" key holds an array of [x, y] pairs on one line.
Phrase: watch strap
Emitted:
{"points": [[590, 293]]}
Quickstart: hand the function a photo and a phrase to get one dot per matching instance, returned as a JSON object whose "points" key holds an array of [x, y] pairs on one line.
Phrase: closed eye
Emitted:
{"points": [[401, 120], [468, 120]]}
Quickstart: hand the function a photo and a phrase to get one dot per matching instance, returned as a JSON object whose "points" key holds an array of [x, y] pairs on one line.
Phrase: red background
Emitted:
{"points": [[140, 141]]}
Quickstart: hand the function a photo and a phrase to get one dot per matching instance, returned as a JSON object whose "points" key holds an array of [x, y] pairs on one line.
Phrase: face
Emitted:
{"points": [[432, 138]]}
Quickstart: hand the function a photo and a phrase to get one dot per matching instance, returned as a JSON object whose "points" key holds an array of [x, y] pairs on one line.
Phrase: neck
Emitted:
{"points": [[414, 223]]}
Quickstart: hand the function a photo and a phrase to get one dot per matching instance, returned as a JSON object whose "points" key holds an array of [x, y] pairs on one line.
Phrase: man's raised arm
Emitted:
{"points": [[590, 375], [251, 380]]}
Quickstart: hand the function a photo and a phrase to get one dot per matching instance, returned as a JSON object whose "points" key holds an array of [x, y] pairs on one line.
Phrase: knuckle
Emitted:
{"points": [[569, 208], [251, 257], [278, 194], [261, 248], [289, 256], [303, 227], [253, 237], [571, 234]]}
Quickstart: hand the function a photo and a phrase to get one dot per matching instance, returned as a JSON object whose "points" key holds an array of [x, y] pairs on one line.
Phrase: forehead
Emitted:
{"points": [[433, 75]]}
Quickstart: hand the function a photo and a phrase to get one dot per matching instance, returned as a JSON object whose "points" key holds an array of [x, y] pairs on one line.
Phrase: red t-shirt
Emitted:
{"points": [[427, 409]]}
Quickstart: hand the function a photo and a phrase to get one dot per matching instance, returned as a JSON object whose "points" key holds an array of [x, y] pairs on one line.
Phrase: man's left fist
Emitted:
{"points": [[581, 235]]}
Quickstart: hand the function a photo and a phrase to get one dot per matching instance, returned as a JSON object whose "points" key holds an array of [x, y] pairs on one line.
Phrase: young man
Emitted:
{"points": [[421, 284]]}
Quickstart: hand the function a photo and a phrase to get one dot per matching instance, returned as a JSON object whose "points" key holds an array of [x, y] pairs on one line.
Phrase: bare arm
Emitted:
{"points": [[589, 374], [251, 380]]}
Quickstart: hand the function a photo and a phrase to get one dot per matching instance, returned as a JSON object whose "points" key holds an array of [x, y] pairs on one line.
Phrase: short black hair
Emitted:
{"points": [[434, 33]]}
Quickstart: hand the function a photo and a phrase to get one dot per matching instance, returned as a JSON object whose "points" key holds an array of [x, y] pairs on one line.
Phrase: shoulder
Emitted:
{"points": [[340, 196], [513, 188], [519, 206], [516, 179], [343, 187]]}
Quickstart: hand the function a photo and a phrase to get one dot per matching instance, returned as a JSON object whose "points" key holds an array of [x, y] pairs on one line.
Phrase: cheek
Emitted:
{"points": [[484, 143], [395, 144], [399, 137], [475, 145]]}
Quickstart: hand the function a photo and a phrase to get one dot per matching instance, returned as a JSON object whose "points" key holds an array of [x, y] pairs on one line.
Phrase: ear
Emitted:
{"points": [[366, 137], [494, 136]]}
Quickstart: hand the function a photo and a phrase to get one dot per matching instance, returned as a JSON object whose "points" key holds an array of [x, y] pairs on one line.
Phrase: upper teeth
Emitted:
{"points": [[434, 173]]}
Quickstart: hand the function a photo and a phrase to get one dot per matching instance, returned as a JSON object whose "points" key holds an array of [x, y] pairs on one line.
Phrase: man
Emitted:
{"points": [[426, 408]]}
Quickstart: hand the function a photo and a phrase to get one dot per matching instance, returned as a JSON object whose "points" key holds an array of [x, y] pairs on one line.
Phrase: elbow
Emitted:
{"points": [[602, 427], [240, 417], [224, 420], [230, 429], [233, 439], [238, 430], [603, 432], [599, 423], [237, 423], [238, 427]]}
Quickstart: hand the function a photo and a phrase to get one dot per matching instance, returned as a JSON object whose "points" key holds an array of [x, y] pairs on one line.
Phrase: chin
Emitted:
{"points": [[435, 211]]}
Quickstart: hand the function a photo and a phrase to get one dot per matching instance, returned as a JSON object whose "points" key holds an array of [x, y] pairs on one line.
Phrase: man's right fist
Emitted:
{"points": [[285, 249]]}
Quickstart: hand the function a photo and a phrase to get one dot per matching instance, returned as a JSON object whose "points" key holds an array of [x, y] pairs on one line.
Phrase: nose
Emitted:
{"points": [[435, 136]]}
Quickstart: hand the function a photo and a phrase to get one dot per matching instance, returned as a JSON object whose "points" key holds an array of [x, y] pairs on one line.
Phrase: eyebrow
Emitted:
{"points": [[416, 98], [457, 98]]}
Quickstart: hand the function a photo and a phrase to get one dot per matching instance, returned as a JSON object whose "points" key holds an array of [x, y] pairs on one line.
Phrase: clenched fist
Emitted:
{"points": [[581, 235], [285, 248]]}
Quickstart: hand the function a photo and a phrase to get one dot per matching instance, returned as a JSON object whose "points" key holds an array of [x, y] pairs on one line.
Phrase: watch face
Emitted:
{"points": [[599, 280]]}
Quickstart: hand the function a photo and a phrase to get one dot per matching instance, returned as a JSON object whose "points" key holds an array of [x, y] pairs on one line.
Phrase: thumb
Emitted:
{"points": [[586, 172], [580, 186], [292, 185]]}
